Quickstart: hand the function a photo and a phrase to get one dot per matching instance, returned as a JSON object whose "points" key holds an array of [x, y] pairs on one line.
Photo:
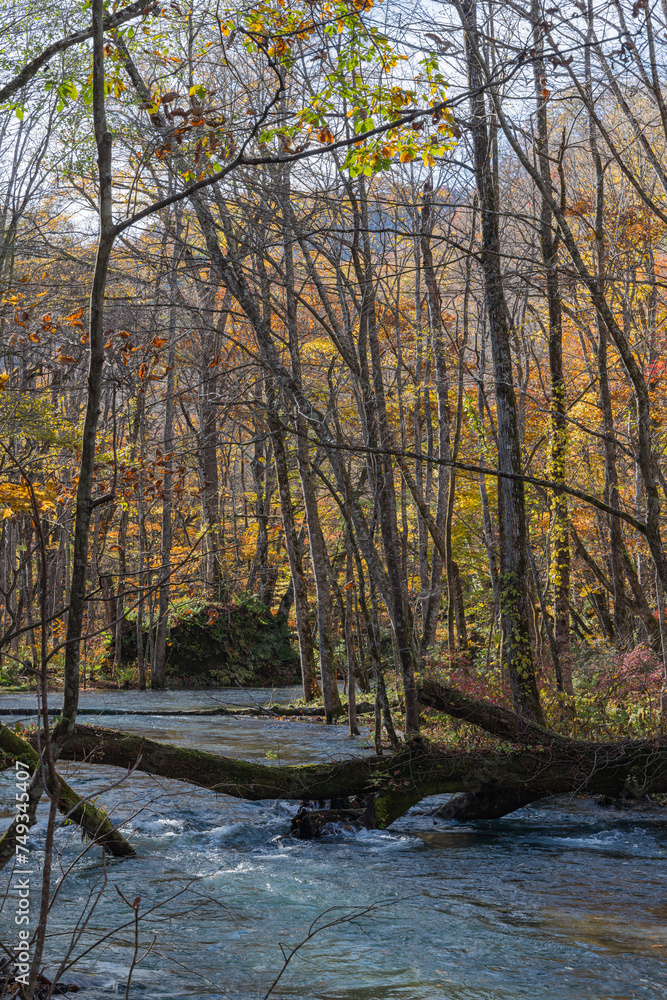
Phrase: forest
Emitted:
{"points": [[332, 355]]}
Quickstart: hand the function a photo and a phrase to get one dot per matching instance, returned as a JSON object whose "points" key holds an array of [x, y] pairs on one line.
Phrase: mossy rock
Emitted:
{"points": [[223, 645]]}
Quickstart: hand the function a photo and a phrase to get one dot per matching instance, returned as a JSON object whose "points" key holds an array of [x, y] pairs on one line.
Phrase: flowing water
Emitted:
{"points": [[561, 901]]}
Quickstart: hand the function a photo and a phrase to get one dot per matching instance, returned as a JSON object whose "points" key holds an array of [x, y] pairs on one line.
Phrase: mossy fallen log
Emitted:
{"points": [[533, 763], [498, 721], [90, 818], [259, 711], [415, 771], [490, 801]]}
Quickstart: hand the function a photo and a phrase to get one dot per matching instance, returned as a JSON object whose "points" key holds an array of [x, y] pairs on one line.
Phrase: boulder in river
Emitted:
{"points": [[222, 645]]}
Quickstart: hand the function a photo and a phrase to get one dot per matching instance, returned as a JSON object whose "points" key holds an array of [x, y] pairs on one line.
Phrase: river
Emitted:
{"points": [[564, 900]]}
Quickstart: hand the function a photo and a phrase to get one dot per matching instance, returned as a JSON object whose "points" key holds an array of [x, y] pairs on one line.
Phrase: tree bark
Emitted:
{"points": [[514, 562], [382, 469], [158, 672], [438, 564], [611, 486], [318, 558], [303, 629], [558, 441], [84, 493]]}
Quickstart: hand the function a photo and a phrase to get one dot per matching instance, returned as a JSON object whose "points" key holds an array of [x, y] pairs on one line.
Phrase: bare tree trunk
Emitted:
{"points": [[455, 603], [318, 553], [459, 608], [261, 574], [122, 583], [438, 564], [208, 459], [84, 493], [558, 444], [611, 494], [349, 642], [319, 559], [303, 629], [141, 578], [385, 492], [158, 673], [514, 562]]}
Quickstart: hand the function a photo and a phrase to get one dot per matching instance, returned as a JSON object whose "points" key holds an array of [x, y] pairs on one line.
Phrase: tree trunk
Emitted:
{"points": [[349, 642], [84, 493], [158, 673], [459, 608], [438, 564], [558, 442], [318, 558], [611, 490], [514, 562], [385, 492], [304, 632]]}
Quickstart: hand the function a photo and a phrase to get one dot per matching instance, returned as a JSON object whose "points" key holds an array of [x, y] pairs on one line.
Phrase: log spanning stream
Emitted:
{"points": [[563, 900]]}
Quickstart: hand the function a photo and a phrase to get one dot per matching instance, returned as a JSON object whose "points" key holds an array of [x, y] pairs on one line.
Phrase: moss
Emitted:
{"points": [[215, 644]]}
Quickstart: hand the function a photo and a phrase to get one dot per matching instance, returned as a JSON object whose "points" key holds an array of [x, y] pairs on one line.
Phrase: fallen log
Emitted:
{"points": [[273, 711], [533, 763], [94, 821], [488, 804], [395, 783], [494, 719], [492, 802]]}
